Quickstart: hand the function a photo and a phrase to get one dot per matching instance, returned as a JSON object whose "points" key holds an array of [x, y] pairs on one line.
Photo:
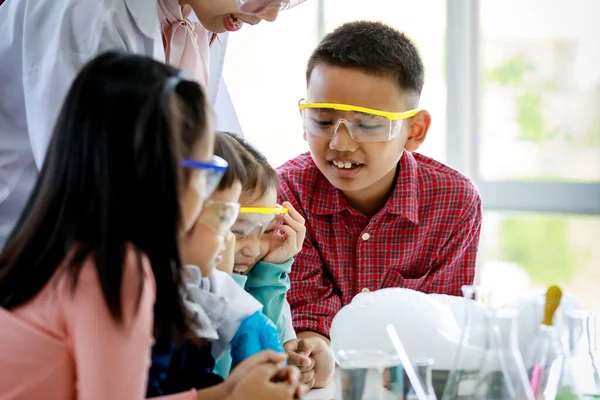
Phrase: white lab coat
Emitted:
{"points": [[43, 45]]}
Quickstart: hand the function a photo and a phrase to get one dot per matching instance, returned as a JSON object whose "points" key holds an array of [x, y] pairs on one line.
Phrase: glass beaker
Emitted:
{"points": [[461, 380], [369, 375], [583, 328], [530, 348], [552, 375], [423, 367], [502, 374]]}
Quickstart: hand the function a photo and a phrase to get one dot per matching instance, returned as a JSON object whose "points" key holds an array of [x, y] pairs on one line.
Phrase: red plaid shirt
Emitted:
{"points": [[425, 238]]}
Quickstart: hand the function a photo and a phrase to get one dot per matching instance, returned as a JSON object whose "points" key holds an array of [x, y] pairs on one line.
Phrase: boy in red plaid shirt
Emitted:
{"points": [[377, 214]]}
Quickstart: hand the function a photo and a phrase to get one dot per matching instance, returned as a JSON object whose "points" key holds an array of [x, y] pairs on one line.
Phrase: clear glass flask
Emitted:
{"points": [[424, 369], [584, 328], [552, 375], [463, 377], [502, 374], [488, 364]]}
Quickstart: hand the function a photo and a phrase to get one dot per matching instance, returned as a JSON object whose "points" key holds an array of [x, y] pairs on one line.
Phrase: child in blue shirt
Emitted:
{"points": [[265, 238]]}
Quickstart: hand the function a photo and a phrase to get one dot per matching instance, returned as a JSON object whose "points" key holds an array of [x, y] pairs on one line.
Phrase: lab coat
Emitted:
{"points": [[43, 45]]}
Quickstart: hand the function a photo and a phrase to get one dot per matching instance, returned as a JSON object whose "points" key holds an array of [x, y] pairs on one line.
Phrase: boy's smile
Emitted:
{"points": [[345, 167]]}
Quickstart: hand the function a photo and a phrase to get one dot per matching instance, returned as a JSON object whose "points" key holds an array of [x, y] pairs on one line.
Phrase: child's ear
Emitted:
{"points": [[418, 130]]}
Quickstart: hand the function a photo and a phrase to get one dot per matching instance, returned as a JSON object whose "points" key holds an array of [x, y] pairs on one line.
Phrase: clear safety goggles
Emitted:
{"points": [[219, 216], [258, 221], [215, 171], [363, 124], [261, 6]]}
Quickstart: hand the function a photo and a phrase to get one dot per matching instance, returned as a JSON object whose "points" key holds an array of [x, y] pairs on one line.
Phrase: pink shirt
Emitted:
{"points": [[186, 41], [65, 344]]}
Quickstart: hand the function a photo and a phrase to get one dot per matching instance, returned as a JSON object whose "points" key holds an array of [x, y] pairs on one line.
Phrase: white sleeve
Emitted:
{"points": [[45, 90], [227, 119], [241, 306], [58, 49], [286, 311]]}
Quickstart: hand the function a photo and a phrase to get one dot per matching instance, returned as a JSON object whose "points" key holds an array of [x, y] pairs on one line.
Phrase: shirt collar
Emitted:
{"points": [[145, 16], [404, 200]]}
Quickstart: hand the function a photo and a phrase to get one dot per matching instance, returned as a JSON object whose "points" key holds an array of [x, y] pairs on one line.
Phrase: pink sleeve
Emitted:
{"points": [[112, 361]]}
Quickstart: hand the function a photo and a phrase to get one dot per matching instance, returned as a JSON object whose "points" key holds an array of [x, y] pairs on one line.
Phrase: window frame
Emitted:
{"points": [[463, 124]]}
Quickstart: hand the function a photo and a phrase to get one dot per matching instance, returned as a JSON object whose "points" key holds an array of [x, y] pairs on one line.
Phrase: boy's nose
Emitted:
{"points": [[341, 140]]}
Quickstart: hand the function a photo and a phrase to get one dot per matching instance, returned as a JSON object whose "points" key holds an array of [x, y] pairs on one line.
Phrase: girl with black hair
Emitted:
{"points": [[93, 271]]}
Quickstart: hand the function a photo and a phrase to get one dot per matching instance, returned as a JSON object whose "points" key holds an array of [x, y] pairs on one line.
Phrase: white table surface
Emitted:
{"points": [[326, 393]]}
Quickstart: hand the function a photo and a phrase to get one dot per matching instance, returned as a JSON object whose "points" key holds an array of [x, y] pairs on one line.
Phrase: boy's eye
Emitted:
{"points": [[370, 127], [321, 122]]}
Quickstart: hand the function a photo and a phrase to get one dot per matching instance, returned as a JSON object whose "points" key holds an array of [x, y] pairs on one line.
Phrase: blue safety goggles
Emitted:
{"points": [[215, 171]]}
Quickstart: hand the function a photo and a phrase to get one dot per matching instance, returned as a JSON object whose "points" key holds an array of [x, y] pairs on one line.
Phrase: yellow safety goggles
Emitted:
{"points": [[262, 221], [363, 124], [219, 216]]}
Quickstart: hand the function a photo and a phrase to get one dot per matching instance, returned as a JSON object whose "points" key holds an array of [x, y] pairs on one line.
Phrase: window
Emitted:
{"points": [[522, 252], [522, 87], [264, 70], [276, 55], [540, 91]]}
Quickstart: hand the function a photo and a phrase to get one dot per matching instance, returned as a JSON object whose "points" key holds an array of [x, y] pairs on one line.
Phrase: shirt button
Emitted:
{"points": [[365, 236], [365, 290]]}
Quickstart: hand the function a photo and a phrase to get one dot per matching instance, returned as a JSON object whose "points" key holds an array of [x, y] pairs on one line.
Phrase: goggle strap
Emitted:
{"points": [[263, 210]]}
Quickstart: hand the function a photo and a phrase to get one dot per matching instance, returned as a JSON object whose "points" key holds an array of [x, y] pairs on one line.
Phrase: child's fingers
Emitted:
{"points": [[307, 376], [264, 372], [288, 232], [305, 347], [283, 390], [301, 391], [299, 360], [296, 225], [290, 237], [293, 213], [300, 231], [300, 234], [288, 374], [266, 356], [230, 239]]}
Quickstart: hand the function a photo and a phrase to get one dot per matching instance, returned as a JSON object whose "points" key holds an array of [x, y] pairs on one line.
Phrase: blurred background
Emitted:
{"points": [[514, 91]]}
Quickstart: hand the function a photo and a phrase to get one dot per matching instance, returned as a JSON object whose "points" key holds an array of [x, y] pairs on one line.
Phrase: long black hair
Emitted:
{"points": [[111, 178]]}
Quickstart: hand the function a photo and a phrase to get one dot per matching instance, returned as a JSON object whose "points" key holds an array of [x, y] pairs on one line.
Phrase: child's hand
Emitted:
{"points": [[249, 364], [288, 243], [226, 264], [270, 382], [314, 358]]}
